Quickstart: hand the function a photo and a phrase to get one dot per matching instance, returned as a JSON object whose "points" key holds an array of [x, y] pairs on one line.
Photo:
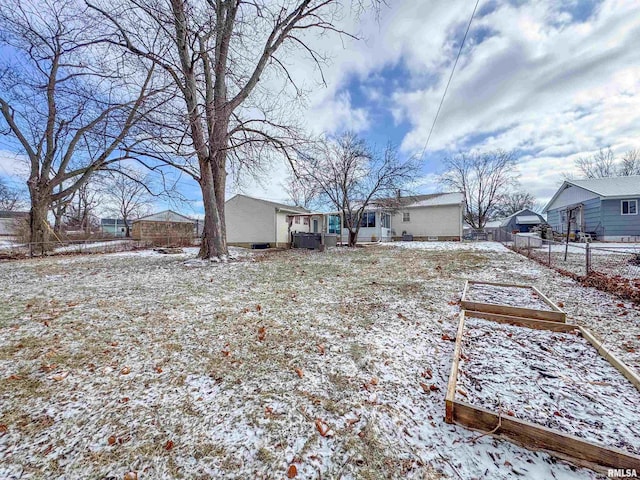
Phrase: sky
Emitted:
{"points": [[549, 80]]}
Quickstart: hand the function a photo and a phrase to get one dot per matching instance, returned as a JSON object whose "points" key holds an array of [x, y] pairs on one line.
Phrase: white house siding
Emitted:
{"points": [[570, 196], [250, 221], [442, 221]]}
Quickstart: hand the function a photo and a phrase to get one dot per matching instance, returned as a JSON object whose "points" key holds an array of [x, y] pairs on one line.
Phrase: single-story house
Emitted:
{"points": [[12, 223], [113, 227], [604, 207], [522, 221], [164, 228], [436, 216], [251, 221]]}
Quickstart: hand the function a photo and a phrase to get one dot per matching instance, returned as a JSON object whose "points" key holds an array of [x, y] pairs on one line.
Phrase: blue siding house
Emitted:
{"points": [[604, 207]]}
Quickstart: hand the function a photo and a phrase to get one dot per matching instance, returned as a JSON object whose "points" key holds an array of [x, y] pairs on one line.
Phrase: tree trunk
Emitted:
{"points": [[38, 226], [214, 242], [353, 238]]}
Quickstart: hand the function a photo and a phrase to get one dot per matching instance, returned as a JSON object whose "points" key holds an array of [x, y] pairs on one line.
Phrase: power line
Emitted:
{"points": [[435, 119]]}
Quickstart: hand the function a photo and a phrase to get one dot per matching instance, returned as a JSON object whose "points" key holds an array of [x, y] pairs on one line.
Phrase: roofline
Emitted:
{"points": [[278, 205], [571, 182], [555, 195], [163, 211]]}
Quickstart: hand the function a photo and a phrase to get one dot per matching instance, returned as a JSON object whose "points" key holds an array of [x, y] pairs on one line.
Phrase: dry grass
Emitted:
{"points": [[361, 326]]}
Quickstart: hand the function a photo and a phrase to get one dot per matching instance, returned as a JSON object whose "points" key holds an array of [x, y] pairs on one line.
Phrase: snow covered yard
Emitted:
{"points": [[336, 363]]}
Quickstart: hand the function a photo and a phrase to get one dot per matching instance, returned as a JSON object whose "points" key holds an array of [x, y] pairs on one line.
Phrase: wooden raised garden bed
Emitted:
{"points": [[547, 386], [510, 299]]}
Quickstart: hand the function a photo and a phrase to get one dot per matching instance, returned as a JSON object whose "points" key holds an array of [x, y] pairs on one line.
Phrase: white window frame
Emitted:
{"points": [[635, 202], [406, 217]]}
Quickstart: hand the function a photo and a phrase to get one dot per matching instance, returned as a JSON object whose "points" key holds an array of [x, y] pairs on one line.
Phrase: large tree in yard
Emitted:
{"points": [[217, 53], [484, 178], [351, 176], [68, 100]]}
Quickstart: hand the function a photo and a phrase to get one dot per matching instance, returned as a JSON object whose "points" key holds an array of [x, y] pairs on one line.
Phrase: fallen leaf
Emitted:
{"points": [[299, 372], [434, 387], [425, 387], [168, 446], [3, 429], [14, 377], [447, 337], [292, 471], [321, 349], [158, 370], [321, 427], [258, 307], [510, 413], [262, 332], [373, 381], [47, 450], [226, 353], [353, 421], [125, 371], [130, 476], [111, 440], [60, 376], [124, 399], [427, 373], [561, 304], [461, 392]]}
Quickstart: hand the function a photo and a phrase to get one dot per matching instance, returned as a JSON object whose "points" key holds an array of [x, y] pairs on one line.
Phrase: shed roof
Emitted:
{"points": [[524, 213], [527, 220], [165, 216]]}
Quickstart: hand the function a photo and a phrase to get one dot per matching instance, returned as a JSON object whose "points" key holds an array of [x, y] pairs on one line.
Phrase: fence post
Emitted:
{"points": [[549, 254], [529, 247], [587, 251]]}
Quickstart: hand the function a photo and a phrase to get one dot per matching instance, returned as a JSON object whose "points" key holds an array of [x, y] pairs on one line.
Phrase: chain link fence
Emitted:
{"points": [[613, 268], [16, 250]]}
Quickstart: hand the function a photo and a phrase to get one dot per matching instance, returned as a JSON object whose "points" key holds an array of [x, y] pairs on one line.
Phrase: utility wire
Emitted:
{"points": [[435, 119]]}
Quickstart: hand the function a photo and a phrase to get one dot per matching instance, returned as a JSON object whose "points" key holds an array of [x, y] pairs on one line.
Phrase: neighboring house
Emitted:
{"points": [[164, 228], [252, 221], [522, 221], [606, 207], [12, 223], [113, 227]]}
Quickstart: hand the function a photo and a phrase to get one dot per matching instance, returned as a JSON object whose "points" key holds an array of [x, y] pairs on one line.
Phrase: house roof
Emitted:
{"points": [[13, 214], [111, 221], [280, 206], [610, 187], [417, 201], [165, 216]]}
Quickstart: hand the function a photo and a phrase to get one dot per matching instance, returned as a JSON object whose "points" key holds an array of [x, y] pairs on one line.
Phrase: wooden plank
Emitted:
{"points": [[498, 284], [453, 376], [548, 301], [539, 437], [524, 322], [627, 372], [464, 291], [549, 315]]}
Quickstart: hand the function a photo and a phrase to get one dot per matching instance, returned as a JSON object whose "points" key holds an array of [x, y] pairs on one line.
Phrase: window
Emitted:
{"points": [[334, 224], [306, 220], [386, 220], [406, 217], [368, 219], [629, 207], [297, 219]]}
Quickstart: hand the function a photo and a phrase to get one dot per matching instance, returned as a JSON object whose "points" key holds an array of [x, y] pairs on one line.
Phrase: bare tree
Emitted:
{"points": [[69, 100], [127, 195], [598, 165], [216, 53], [350, 176], [300, 192], [80, 210], [630, 163], [513, 202], [10, 198], [484, 178]]}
